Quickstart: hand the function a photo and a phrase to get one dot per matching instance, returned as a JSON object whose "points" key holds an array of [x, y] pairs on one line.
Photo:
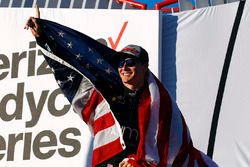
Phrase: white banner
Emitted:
{"points": [[195, 47], [37, 126]]}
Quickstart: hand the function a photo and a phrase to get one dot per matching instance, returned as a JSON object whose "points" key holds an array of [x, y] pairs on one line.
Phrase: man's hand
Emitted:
{"points": [[125, 164], [32, 24]]}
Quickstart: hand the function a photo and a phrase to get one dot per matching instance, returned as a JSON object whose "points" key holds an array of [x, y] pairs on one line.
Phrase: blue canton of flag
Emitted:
{"points": [[77, 55]]}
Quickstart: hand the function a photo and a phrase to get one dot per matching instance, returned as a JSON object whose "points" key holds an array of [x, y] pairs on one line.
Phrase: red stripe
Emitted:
{"points": [[191, 162], [165, 117], [191, 157], [105, 152], [105, 121], [198, 157], [90, 107], [143, 119], [140, 163]]}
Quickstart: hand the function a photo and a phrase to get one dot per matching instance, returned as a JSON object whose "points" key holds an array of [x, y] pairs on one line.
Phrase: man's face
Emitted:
{"points": [[132, 72]]}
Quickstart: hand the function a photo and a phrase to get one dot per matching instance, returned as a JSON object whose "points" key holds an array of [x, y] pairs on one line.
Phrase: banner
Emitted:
{"points": [[205, 64], [37, 125]]}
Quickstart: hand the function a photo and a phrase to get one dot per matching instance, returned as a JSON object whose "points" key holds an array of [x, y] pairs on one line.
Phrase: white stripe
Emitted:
{"points": [[82, 96], [176, 131], [107, 136], [102, 109], [151, 148]]}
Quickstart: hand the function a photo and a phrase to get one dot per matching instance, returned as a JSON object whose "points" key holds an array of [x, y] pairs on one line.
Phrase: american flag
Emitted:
{"points": [[86, 73]]}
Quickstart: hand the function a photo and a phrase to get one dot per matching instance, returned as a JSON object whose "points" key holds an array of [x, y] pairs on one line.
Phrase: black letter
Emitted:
{"points": [[5, 65], [12, 144], [35, 111], [15, 63], [32, 59], [2, 146], [18, 98], [38, 144], [27, 146], [52, 106], [71, 142]]}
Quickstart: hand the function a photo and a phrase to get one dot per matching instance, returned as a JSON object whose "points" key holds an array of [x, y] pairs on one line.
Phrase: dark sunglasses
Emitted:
{"points": [[129, 63]]}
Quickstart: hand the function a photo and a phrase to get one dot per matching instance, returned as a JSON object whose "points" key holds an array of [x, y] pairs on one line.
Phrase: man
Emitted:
{"points": [[133, 71], [135, 123]]}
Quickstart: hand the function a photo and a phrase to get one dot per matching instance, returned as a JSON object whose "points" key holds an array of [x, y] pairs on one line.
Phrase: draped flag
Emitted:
{"points": [[86, 73], [82, 66]]}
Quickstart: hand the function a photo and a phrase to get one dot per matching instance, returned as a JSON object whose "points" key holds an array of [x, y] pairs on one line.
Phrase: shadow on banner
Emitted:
{"points": [[168, 59]]}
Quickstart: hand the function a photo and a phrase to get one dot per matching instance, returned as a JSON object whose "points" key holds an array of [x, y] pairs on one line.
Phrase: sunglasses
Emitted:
{"points": [[129, 63]]}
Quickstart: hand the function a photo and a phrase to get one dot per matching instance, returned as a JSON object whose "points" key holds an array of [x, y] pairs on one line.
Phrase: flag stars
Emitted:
{"points": [[70, 78], [69, 45], [90, 50], [61, 34], [108, 71], [99, 61], [78, 56]]}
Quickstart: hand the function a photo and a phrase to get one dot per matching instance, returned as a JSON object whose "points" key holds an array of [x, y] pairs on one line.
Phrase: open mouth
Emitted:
{"points": [[126, 73]]}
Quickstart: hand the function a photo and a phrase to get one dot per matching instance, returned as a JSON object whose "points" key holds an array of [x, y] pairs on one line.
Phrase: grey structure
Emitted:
{"points": [[102, 4]]}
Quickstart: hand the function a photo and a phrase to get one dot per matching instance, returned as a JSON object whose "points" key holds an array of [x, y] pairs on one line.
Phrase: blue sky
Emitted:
{"points": [[150, 3]]}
